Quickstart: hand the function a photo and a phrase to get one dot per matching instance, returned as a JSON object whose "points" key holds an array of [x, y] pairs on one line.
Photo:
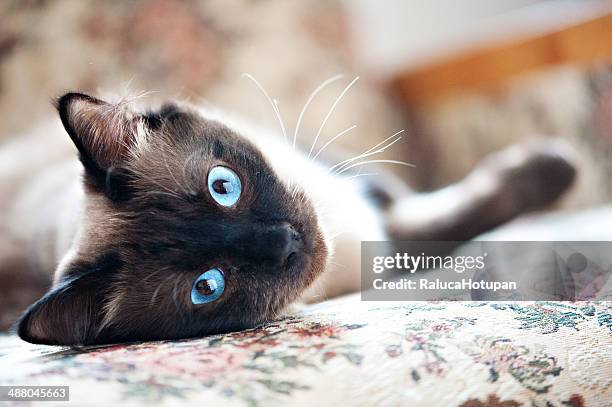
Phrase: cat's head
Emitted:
{"points": [[186, 231]]}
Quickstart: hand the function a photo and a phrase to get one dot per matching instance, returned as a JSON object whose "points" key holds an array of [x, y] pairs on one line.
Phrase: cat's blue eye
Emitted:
{"points": [[224, 186], [208, 287]]}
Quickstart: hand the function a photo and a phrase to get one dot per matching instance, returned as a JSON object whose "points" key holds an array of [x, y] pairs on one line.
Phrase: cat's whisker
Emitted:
{"points": [[335, 236], [127, 84], [279, 115], [329, 113], [147, 93], [268, 308], [154, 296], [385, 140], [175, 294], [342, 133], [319, 284], [309, 100], [162, 193], [159, 287], [369, 152], [335, 263], [168, 190], [340, 165], [179, 185], [184, 172], [320, 289], [137, 95], [273, 103], [147, 278], [276, 312], [362, 175], [363, 155], [296, 190], [396, 162], [271, 310], [129, 96]]}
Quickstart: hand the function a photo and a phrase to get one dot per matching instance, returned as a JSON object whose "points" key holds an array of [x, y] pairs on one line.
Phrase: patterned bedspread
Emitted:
{"points": [[347, 352]]}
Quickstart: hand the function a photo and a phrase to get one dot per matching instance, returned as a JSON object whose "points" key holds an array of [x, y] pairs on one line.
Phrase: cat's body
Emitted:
{"points": [[40, 203], [137, 205]]}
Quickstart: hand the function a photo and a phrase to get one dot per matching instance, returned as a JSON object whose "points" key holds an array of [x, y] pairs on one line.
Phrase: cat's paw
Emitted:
{"points": [[535, 174]]}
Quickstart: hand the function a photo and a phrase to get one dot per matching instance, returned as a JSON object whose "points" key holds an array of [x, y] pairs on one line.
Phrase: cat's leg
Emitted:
{"points": [[519, 179]]}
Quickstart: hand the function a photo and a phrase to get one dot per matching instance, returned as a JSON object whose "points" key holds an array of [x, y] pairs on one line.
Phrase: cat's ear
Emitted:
{"points": [[71, 313], [102, 132]]}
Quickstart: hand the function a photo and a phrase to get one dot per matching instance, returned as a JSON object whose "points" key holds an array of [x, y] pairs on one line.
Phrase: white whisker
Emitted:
{"points": [[335, 263], [362, 175], [320, 290], [168, 192], [163, 193], [295, 191], [179, 185], [374, 162], [273, 103], [184, 173], [369, 153], [342, 133], [339, 166], [331, 110], [390, 137], [308, 101], [338, 234]]}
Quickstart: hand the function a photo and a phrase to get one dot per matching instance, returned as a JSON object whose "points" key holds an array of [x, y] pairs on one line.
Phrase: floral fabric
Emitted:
{"points": [[347, 352]]}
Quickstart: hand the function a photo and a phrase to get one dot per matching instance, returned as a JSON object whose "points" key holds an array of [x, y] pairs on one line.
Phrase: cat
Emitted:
{"points": [[179, 222]]}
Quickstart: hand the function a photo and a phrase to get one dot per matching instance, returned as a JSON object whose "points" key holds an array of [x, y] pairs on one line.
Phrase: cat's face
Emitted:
{"points": [[186, 231]]}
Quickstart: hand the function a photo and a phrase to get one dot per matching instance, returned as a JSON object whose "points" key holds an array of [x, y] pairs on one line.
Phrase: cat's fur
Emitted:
{"points": [[126, 239]]}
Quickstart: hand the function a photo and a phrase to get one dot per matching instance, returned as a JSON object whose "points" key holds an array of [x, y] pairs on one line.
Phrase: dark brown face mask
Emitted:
{"points": [[187, 231]]}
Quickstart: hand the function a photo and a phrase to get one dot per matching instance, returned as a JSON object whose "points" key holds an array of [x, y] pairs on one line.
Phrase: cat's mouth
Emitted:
{"points": [[308, 256], [291, 259], [311, 257], [294, 246]]}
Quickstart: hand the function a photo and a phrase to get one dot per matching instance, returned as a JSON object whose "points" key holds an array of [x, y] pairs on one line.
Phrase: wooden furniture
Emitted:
{"points": [[585, 40]]}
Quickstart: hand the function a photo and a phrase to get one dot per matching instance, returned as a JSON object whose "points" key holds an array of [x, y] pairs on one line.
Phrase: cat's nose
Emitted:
{"points": [[283, 243], [293, 243], [278, 243]]}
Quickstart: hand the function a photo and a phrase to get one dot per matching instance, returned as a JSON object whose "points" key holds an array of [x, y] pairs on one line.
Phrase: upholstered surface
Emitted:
{"points": [[347, 352]]}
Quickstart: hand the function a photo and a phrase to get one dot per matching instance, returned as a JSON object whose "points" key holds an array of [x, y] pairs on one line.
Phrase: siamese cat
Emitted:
{"points": [[177, 223]]}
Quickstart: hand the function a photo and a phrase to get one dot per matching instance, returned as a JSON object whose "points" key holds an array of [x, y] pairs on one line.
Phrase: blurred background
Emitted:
{"points": [[463, 78]]}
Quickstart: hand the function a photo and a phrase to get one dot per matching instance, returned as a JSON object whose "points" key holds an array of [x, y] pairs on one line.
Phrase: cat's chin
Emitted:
{"points": [[317, 259], [303, 268]]}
